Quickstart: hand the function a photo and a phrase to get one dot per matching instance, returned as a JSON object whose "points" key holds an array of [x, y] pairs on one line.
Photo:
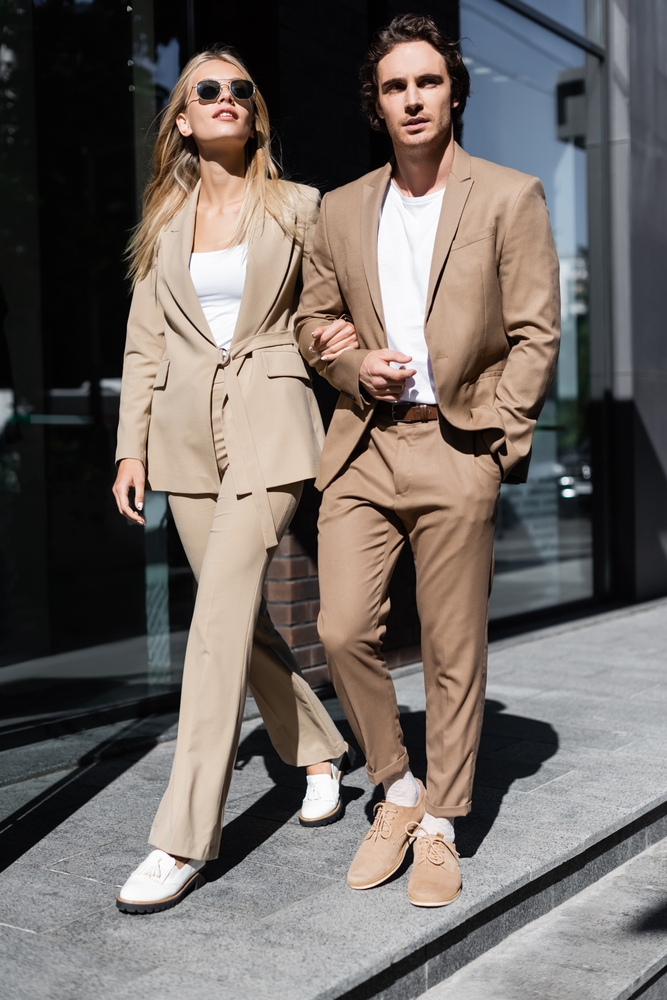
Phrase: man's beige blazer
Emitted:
{"points": [[493, 306], [272, 425]]}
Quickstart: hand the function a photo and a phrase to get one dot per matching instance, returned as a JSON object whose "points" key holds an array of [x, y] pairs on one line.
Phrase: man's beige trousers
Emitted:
{"points": [[232, 645], [438, 488]]}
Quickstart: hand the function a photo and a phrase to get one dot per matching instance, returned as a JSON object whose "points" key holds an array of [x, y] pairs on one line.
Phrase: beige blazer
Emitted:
{"points": [[493, 308], [271, 421]]}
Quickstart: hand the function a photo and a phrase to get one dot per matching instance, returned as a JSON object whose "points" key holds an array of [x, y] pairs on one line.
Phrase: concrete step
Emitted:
{"points": [[608, 942]]}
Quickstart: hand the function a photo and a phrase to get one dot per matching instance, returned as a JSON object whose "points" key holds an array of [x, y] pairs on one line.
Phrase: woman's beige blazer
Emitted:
{"points": [[271, 421]]}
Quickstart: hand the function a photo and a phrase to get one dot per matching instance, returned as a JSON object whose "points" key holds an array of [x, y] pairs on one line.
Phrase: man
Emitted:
{"points": [[446, 266]]}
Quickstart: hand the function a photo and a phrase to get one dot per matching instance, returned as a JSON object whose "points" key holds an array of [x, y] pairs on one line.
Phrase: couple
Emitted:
{"points": [[427, 293]]}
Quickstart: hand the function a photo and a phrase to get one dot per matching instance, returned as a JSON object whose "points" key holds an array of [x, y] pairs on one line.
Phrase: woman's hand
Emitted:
{"points": [[131, 475], [330, 341]]}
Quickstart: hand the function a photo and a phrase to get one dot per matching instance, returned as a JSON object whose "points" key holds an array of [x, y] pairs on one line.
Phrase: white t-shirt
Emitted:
{"points": [[219, 277], [405, 247]]}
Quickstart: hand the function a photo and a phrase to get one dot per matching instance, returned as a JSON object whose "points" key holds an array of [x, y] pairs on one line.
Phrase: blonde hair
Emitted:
{"points": [[176, 171]]}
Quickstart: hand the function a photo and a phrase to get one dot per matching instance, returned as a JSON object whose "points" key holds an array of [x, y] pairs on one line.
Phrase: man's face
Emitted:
{"points": [[415, 95]]}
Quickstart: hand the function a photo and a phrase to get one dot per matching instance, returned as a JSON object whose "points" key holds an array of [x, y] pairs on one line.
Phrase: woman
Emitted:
{"points": [[218, 411]]}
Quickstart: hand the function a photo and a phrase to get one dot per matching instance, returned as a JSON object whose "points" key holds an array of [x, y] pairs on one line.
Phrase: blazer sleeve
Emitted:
{"points": [[321, 303], [530, 291], [311, 214], [144, 349]]}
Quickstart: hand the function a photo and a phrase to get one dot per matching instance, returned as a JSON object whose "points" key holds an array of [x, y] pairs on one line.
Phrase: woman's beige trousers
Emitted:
{"points": [[232, 645]]}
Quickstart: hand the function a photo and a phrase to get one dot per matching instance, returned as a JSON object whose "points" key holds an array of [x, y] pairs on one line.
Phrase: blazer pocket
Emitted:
{"points": [[161, 375], [282, 364], [476, 237]]}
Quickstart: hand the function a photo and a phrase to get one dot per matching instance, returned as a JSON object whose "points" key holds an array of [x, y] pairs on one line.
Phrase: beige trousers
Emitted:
{"points": [[437, 488], [232, 645]]}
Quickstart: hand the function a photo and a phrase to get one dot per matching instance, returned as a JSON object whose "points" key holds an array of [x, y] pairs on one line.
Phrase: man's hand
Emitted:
{"points": [[382, 381], [131, 475], [330, 341]]}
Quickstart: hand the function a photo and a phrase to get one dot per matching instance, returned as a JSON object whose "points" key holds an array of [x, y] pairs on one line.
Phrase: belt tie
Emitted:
{"points": [[232, 362]]}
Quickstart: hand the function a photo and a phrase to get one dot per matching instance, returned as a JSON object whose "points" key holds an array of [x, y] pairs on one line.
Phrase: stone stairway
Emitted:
{"points": [[609, 942]]}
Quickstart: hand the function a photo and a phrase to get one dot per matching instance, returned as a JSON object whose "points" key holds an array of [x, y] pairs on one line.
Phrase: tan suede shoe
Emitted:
{"points": [[435, 879], [383, 848]]}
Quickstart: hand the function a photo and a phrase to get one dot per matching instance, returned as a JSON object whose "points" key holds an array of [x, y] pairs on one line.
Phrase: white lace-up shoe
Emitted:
{"points": [[158, 884], [322, 803]]}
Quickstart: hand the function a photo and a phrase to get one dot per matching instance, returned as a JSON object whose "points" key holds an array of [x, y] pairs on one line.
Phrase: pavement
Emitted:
{"points": [[573, 753]]}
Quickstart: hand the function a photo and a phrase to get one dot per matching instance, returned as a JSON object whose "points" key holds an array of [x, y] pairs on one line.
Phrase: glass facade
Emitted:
{"points": [[570, 13], [93, 613], [529, 111]]}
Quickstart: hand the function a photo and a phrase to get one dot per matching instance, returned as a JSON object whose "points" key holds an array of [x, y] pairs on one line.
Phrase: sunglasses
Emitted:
{"points": [[210, 90]]}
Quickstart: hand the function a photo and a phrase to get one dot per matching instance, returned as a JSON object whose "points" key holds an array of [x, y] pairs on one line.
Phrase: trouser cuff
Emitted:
{"points": [[394, 770], [447, 812], [333, 752]]}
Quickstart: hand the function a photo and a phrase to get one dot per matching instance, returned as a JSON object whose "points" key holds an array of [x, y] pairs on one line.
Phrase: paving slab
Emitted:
{"points": [[44, 968], [571, 782]]}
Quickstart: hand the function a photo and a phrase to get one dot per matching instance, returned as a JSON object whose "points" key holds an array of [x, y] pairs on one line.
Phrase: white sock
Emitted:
{"points": [[436, 824], [402, 791]]}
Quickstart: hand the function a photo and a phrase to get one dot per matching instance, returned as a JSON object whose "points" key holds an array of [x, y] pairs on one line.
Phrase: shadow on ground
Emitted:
{"points": [[512, 747], [248, 831], [653, 921], [95, 769]]}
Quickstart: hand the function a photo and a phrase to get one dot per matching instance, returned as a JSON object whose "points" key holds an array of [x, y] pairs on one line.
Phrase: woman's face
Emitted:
{"points": [[223, 122]]}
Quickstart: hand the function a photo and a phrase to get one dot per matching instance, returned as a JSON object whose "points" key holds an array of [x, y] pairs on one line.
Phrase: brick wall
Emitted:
{"points": [[292, 593]]}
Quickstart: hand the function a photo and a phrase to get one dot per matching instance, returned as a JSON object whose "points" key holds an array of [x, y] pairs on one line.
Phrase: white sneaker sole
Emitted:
{"points": [[327, 819], [132, 906]]}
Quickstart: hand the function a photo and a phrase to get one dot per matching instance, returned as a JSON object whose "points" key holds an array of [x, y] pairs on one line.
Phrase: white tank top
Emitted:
{"points": [[219, 277]]}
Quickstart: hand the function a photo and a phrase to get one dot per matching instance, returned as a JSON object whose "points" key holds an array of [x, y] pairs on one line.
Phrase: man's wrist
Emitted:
{"points": [[365, 394]]}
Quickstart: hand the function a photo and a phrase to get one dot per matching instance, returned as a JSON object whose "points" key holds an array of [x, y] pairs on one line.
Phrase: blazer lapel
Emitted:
{"points": [[176, 250], [373, 194], [269, 256], [456, 194]]}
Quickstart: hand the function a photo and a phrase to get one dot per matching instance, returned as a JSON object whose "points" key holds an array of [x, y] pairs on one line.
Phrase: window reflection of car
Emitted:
{"points": [[575, 486]]}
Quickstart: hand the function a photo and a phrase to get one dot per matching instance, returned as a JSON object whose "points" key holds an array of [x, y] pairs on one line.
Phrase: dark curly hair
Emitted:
{"points": [[412, 28]]}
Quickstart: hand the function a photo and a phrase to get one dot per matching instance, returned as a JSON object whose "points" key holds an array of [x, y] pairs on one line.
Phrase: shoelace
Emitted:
{"points": [[384, 814], [437, 849]]}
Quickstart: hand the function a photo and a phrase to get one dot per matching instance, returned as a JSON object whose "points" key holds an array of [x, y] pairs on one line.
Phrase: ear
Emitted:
{"points": [[455, 104], [183, 124], [378, 110]]}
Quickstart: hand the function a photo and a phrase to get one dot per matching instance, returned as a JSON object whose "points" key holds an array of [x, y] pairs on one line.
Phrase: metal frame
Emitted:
{"points": [[558, 29]]}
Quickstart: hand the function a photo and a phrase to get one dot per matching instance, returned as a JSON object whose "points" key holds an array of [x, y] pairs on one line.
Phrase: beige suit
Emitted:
{"points": [[492, 328], [230, 437]]}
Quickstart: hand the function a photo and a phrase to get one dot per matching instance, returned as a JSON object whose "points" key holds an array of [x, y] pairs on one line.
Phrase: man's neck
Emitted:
{"points": [[423, 171]]}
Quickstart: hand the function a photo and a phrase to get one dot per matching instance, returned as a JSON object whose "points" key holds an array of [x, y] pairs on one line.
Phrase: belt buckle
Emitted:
{"points": [[394, 418]]}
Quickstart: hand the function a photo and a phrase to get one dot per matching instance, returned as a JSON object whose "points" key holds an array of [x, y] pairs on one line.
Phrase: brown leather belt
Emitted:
{"points": [[406, 413]]}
